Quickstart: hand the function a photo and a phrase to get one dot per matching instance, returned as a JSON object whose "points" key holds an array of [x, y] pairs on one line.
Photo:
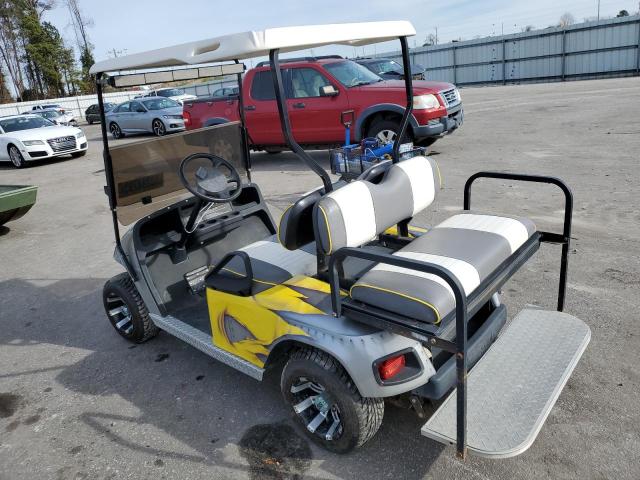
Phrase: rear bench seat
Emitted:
{"points": [[469, 245]]}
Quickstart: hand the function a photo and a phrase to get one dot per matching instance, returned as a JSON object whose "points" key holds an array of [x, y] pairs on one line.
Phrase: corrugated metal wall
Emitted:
{"points": [[587, 50]]}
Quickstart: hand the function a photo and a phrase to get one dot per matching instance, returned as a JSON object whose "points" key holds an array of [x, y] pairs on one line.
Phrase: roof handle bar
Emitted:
{"points": [[408, 85], [276, 75]]}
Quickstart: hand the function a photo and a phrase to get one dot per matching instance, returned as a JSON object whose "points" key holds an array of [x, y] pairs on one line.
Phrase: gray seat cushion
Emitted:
{"points": [[272, 264], [469, 245]]}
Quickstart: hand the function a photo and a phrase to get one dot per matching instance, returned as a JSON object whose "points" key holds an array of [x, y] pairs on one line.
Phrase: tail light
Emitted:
{"points": [[62, 110], [391, 367], [187, 118]]}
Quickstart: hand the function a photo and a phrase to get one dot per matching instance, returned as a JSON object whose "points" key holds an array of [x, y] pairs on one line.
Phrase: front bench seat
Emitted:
{"points": [[272, 264], [471, 246]]}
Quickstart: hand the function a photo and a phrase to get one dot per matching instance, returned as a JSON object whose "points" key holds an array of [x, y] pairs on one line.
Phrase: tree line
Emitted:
{"points": [[34, 58]]}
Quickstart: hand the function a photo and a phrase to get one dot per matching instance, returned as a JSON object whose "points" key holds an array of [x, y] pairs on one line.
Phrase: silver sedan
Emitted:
{"points": [[157, 115]]}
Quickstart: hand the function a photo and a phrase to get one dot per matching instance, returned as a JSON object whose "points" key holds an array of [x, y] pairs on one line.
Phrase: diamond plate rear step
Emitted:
{"points": [[514, 386]]}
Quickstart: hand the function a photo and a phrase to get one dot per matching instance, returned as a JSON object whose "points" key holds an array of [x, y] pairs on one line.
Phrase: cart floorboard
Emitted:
{"points": [[512, 389]]}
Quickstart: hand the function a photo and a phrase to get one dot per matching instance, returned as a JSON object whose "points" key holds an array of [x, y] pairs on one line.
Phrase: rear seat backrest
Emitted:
{"points": [[356, 213]]}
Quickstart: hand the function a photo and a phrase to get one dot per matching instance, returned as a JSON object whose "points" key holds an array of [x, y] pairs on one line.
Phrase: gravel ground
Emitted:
{"points": [[77, 401]]}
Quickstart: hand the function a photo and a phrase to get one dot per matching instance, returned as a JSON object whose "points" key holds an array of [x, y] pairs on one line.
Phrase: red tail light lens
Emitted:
{"points": [[391, 367], [187, 118]]}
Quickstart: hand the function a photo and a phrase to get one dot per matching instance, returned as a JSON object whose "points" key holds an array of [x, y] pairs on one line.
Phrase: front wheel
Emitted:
{"points": [[326, 402], [126, 310], [158, 128], [427, 142], [16, 157], [115, 130], [385, 131]]}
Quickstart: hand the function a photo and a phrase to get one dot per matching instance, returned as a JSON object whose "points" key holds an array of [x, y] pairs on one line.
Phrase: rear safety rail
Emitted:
{"points": [[548, 237], [505, 381]]}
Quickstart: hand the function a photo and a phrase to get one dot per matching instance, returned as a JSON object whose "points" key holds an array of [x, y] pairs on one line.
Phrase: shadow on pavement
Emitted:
{"points": [[173, 388]]}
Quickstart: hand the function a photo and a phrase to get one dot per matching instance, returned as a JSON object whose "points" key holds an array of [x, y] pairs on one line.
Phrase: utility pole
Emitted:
{"points": [[598, 9], [436, 35]]}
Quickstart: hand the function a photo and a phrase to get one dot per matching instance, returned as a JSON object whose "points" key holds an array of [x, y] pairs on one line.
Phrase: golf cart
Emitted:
{"points": [[354, 303]]}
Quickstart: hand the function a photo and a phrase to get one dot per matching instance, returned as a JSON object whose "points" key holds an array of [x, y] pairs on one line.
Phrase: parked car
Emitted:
{"points": [[319, 90], [225, 92], [157, 115], [92, 114], [54, 116], [31, 137], [390, 69], [48, 106], [176, 94]]}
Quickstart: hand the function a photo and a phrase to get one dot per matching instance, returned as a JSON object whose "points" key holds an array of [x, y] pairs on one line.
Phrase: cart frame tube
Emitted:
{"points": [[408, 111], [460, 349], [245, 132], [110, 188], [564, 239], [281, 101]]}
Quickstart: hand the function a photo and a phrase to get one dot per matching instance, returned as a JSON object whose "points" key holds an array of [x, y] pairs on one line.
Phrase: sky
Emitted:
{"points": [[138, 25]]}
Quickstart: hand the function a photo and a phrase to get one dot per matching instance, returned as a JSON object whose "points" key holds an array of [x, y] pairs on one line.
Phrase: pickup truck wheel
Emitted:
{"points": [[426, 142], [272, 151], [126, 311], [16, 157], [386, 130], [326, 402]]}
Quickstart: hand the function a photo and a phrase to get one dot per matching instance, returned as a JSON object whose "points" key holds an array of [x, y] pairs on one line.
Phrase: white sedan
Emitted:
{"points": [[24, 138]]}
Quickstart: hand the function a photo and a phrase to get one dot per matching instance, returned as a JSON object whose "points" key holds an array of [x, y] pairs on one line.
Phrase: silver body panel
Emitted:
{"points": [[356, 346]]}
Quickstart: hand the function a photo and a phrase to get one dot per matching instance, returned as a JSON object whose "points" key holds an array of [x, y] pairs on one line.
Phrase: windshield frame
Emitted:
{"points": [[368, 77], [45, 123]]}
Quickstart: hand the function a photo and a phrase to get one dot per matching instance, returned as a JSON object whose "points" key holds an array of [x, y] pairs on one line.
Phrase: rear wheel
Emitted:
{"points": [[326, 402], [272, 151], [158, 128], [385, 131], [89, 121], [126, 310], [115, 130], [16, 157]]}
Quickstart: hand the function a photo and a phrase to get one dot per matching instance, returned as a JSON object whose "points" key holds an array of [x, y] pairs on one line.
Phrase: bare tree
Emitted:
{"points": [[528, 28], [566, 19], [431, 39]]}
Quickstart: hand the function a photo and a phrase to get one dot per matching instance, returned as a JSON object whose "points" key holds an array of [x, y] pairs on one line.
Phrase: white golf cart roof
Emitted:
{"points": [[239, 46]]}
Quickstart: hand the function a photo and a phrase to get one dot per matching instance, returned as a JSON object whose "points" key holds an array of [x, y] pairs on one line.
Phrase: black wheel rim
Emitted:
{"points": [[119, 314], [316, 408], [158, 128]]}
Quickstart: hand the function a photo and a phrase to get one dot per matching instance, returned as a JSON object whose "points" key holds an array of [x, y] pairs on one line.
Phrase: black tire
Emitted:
{"points": [[90, 122], [272, 151], [427, 142], [115, 130], [378, 128], [158, 128], [79, 154], [120, 291], [17, 160], [360, 418]]}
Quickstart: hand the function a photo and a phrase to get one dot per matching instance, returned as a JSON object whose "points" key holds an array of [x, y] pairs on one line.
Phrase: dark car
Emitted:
{"points": [[390, 69], [92, 114]]}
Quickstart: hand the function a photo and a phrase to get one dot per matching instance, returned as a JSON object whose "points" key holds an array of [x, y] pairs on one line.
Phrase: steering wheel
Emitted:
{"points": [[211, 183]]}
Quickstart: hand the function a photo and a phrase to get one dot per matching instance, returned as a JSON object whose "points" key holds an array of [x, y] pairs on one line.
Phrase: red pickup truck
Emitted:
{"points": [[319, 89]]}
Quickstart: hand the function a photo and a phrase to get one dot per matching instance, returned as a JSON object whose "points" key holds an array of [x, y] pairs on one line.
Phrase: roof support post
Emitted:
{"points": [[245, 132], [110, 188], [281, 101], [408, 85]]}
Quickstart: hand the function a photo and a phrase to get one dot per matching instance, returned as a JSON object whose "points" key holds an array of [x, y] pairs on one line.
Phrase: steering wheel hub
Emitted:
{"points": [[217, 181]]}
